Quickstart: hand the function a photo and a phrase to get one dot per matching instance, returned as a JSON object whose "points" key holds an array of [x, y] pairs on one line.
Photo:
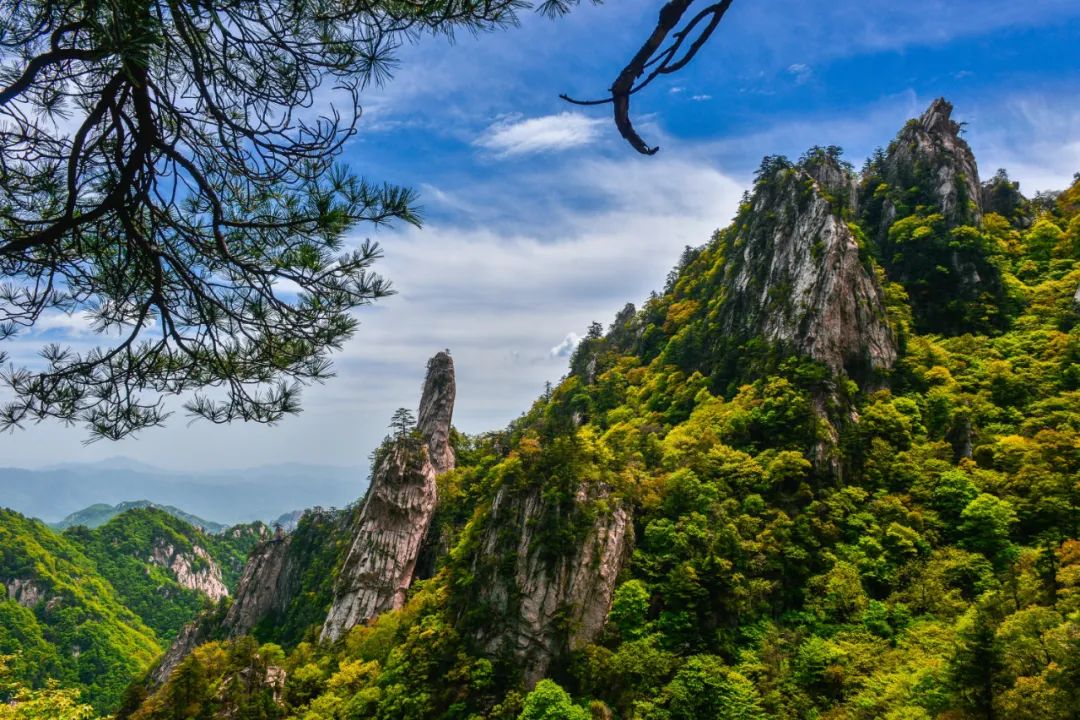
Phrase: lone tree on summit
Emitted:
{"points": [[167, 180], [402, 423]]}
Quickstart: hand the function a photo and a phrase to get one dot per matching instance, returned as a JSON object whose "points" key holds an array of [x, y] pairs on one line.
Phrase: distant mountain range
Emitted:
{"points": [[223, 497]]}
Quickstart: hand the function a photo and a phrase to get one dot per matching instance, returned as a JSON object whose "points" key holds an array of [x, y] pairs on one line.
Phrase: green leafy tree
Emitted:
{"points": [[706, 688], [18, 702], [985, 525], [548, 701], [976, 662], [630, 609]]}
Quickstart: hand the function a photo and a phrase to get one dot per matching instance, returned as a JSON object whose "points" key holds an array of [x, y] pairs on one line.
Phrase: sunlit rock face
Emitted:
{"points": [[796, 278], [271, 582], [397, 510], [26, 592], [195, 571]]}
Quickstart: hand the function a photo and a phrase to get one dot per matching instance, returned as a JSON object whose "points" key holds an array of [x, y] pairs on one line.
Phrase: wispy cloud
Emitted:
{"points": [[801, 72], [515, 135], [79, 323]]}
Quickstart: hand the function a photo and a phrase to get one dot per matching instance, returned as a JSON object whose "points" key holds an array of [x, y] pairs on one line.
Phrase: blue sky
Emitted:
{"points": [[540, 219]]}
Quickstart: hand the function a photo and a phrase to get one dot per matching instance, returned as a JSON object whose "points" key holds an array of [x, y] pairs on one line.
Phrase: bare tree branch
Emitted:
{"points": [[661, 61]]}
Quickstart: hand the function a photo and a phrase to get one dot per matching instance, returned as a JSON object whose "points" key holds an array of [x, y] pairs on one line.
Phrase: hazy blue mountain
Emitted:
{"points": [[228, 496], [100, 513]]}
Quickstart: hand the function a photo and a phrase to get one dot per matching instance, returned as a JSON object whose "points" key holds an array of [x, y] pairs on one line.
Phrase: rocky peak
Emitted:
{"points": [[833, 176], [437, 410], [397, 510], [937, 119], [929, 154], [796, 278]]}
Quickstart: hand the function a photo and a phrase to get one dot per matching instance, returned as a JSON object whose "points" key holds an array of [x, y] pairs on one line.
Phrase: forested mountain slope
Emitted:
{"points": [[831, 471], [93, 608], [163, 568], [61, 620]]}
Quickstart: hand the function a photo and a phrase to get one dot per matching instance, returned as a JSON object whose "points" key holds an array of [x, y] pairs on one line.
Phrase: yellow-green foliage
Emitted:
{"points": [[19, 702], [78, 632], [805, 548]]}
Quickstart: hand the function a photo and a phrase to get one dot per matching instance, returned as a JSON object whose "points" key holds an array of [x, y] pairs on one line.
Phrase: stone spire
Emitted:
{"points": [[398, 508]]}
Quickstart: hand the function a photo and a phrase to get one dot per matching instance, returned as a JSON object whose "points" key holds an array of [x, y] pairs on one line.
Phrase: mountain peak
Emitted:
{"points": [[795, 276], [929, 155], [437, 409], [937, 118], [397, 510]]}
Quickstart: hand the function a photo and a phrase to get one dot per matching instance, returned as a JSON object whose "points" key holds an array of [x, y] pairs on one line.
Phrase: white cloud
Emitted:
{"points": [[1035, 136], [701, 98], [567, 346], [516, 136]]}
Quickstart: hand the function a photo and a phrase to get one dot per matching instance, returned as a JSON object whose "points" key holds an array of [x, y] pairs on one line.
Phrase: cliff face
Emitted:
{"points": [[436, 412], [25, 592], [264, 588], [794, 275], [397, 511], [540, 606], [194, 571]]}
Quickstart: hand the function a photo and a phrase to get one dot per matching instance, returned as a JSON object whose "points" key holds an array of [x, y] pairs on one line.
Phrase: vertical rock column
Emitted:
{"points": [[379, 567]]}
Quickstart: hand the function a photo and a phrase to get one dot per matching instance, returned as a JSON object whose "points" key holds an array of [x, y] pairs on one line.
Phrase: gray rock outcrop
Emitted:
{"points": [[264, 587], [25, 592], [270, 583], [195, 571], [397, 510], [929, 152], [795, 276]]}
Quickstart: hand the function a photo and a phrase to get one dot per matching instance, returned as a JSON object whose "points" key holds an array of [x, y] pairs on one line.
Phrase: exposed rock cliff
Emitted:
{"points": [[191, 636], [25, 592], [437, 410], [929, 153], [274, 582], [264, 588], [541, 606], [397, 510], [194, 571], [794, 275]]}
